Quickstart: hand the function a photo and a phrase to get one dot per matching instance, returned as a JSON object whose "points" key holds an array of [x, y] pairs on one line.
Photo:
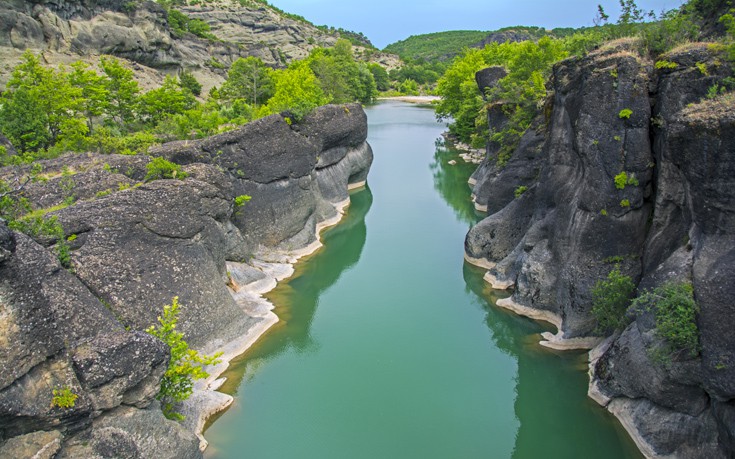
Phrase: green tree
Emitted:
{"points": [[122, 101], [297, 90], [676, 311], [40, 106], [169, 99], [94, 93], [380, 75], [186, 365], [342, 78], [611, 298], [248, 79], [188, 81]]}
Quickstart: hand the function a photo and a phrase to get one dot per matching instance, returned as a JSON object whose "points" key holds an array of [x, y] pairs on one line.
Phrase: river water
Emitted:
{"points": [[390, 346]]}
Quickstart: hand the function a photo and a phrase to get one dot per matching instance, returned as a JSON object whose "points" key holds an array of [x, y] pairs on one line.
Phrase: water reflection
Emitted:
{"points": [[448, 180], [546, 381], [293, 331]]}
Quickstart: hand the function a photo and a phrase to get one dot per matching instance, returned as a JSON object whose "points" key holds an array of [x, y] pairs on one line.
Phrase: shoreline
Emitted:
{"points": [[413, 99], [596, 346], [206, 400]]}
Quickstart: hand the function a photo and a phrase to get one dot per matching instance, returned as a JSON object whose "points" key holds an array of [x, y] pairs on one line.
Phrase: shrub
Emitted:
{"points": [[676, 316], [621, 180], [610, 300], [520, 190], [625, 203], [34, 224], [63, 398], [625, 113], [185, 366], [241, 200], [666, 65], [159, 168]]}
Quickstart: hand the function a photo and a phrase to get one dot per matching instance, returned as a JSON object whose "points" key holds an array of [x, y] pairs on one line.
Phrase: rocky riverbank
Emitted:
{"points": [[136, 245], [559, 222]]}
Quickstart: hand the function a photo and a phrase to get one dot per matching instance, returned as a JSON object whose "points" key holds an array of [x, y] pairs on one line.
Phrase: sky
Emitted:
{"points": [[387, 21]]}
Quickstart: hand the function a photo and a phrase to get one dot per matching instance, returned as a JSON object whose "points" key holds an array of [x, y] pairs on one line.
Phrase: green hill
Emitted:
{"points": [[437, 45]]}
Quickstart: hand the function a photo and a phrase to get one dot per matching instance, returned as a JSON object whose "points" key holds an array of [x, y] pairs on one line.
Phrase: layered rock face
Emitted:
{"points": [[136, 30], [136, 245], [613, 112]]}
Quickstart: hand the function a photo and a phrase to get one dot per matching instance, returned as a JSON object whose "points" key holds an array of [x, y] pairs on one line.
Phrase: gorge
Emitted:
{"points": [[386, 342]]}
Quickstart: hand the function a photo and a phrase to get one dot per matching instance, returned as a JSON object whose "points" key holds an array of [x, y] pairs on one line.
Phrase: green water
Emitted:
{"points": [[390, 346]]}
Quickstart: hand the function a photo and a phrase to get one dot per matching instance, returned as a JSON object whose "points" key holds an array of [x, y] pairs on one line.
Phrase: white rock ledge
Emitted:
{"points": [[206, 401]]}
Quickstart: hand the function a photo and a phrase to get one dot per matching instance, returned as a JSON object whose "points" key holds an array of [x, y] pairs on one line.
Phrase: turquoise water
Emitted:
{"points": [[390, 346]]}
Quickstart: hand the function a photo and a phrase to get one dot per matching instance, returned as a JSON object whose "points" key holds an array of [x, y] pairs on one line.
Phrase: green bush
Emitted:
{"points": [[663, 64], [63, 398], [625, 114], [186, 365], [610, 300], [676, 316], [520, 190], [241, 200], [160, 168], [35, 225], [621, 180]]}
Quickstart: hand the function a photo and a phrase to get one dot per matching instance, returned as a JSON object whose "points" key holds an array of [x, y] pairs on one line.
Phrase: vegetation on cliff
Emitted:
{"points": [[185, 366], [529, 63], [46, 111]]}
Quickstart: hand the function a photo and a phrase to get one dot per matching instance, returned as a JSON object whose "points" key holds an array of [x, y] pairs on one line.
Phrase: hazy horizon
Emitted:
{"points": [[385, 22]]}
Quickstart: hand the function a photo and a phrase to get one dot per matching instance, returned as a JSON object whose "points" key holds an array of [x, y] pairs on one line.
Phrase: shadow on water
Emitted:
{"points": [[312, 277], [546, 381]]}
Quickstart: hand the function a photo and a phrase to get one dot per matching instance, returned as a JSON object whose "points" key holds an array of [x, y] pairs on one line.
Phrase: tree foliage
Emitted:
{"points": [[527, 63], [676, 316], [46, 111], [186, 365], [611, 298], [248, 79]]}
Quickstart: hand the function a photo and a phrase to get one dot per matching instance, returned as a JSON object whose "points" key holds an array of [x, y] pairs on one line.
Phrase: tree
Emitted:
{"points": [[40, 106], [188, 81], [296, 90], [248, 79], [186, 365], [676, 311], [169, 99], [380, 75], [601, 17], [93, 88], [122, 101], [610, 300]]}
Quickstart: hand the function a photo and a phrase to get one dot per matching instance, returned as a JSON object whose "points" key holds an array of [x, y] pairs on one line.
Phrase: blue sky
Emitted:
{"points": [[387, 21]]}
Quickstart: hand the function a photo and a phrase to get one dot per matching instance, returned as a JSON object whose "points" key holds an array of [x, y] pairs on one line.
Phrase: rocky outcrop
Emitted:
{"points": [[138, 31], [136, 245], [608, 113], [290, 196]]}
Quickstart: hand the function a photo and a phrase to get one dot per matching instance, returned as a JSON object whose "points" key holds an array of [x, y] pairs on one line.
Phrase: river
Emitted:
{"points": [[390, 346]]}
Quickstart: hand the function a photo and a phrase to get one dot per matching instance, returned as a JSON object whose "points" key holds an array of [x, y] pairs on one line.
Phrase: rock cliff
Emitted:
{"points": [[137, 30], [611, 112], [134, 246]]}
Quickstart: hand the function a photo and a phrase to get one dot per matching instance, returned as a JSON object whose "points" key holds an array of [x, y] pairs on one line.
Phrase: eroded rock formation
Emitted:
{"points": [[136, 245], [673, 221]]}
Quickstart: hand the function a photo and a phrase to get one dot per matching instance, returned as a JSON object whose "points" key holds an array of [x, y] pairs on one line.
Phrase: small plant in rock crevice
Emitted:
{"points": [[186, 365], [64, 398]]}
